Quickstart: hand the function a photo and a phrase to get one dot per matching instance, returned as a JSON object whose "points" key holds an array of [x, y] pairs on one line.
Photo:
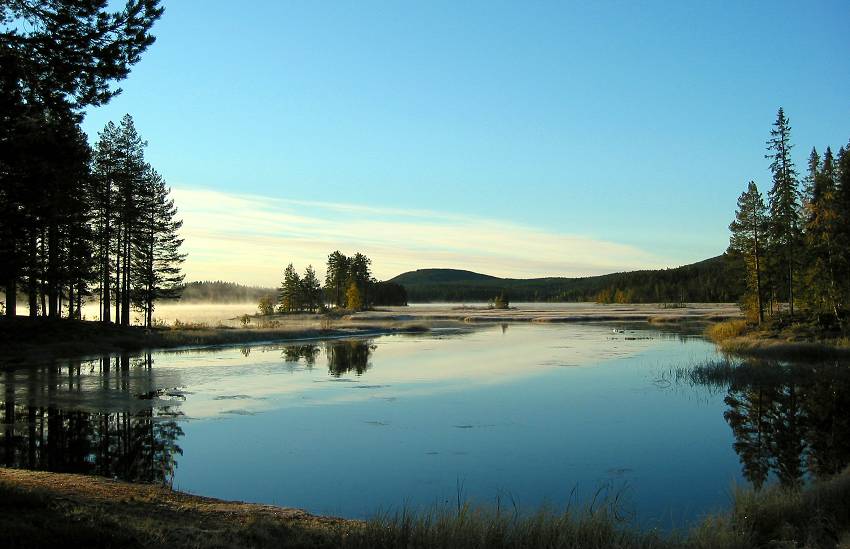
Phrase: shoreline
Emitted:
{"points": [[47, 509], [24, 339], [737, 337]]}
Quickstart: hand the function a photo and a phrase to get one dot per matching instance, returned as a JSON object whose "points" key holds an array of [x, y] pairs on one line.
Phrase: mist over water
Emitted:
{"points": [[207, 313]]}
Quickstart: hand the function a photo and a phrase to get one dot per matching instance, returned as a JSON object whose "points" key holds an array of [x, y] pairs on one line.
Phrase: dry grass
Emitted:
{"points": [[723, 331], [40, 509]]}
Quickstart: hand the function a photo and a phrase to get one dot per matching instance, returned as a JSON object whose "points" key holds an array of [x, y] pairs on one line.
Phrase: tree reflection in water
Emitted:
{"points": [[789, 419], [122, 427], [348, 355]]}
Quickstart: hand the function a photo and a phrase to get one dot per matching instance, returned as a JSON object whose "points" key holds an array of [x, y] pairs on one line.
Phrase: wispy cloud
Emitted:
{"points": [[249, 239]]}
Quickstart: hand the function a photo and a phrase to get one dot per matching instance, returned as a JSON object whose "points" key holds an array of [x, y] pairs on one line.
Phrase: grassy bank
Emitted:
{"points": [[40, 509], [26, 339], [778, 340]]}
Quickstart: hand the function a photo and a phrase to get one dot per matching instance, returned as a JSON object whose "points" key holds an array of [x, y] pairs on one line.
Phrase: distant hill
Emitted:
{"points": [[718, 279], [442, 276]]}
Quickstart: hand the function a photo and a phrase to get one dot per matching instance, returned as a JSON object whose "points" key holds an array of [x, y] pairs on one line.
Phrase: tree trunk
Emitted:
{"points": [[11, 296], [758, 288], [32, 283], [118, 277], [52, 271], [791, 287], [125, 295]]}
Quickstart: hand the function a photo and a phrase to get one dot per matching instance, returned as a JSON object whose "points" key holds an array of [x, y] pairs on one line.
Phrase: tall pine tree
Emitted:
{"points": [[784, 199], [748, 240]]}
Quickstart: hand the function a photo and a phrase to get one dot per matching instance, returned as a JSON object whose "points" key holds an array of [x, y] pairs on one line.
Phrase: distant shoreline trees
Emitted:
{"points": [[797, 247], [349, 284]]}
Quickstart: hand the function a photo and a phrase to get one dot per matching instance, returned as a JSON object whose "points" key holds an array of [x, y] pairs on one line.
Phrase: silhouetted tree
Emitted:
{"points": [[784, 199], [749, 232], [156, 245], [57, 57], [821, 217], [289, 293], [336, 278], [311, 290]]}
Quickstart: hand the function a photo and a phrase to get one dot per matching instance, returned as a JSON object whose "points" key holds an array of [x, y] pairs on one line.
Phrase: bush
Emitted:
{"points": [[266, 305], [727, 330]]}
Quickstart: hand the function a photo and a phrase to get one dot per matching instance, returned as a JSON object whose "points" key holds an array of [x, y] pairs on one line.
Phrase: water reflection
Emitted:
{"points": [[307, 353], [117, 416], [347, 356], [790, 420], [55, 419]]}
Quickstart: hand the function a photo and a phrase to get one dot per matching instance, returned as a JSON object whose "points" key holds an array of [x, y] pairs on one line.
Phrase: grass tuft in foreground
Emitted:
{"points": [[46, 510]]}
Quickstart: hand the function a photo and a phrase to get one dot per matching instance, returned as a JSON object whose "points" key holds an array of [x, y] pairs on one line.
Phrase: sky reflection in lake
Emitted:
{"points": [[350, 427]]}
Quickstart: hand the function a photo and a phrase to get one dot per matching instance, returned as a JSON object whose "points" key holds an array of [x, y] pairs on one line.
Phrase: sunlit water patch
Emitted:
{"points": [[525, 413]]}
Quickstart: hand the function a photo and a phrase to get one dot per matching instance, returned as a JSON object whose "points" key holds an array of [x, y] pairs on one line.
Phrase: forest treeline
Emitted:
{"points": [[796, 245], [78, 221], [218, 291], [714, 280], [349, 284]]}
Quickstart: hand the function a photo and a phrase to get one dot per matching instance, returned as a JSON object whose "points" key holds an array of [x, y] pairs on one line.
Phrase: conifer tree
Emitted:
{"points": [[748, 240], [336, 277], [289, 293], [311, 290], [820, 232], [156, 247], [784, 199], [842, 230], [360, 273], [57, 57]]}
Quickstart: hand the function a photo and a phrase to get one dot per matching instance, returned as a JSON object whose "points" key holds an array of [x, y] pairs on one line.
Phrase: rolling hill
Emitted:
{"points": [[717, 279]]}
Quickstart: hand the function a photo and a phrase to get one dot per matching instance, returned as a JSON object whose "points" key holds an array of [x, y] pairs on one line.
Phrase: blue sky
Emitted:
{"points": [[632, 124]]}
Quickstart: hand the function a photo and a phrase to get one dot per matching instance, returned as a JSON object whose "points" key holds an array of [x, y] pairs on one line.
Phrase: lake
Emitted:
{"points": [[523, 414]]}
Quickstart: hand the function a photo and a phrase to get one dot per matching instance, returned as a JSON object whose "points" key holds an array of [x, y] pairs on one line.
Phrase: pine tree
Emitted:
{"points": [[156, 247], [336, 277], [784, 199], [842, 231], [289, 293], [311, 290], [359, 272], [103, 201], [821, 228], [748, 240], [57, 57]]}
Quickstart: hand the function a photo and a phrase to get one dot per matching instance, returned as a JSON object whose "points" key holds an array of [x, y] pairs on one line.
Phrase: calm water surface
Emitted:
{"points": [[530, 413]]}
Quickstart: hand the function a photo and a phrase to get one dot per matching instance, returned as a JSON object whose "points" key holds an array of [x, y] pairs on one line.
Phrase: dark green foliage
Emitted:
{"points": [[805, 257], [387, 293], [156, 247], [289, 294], [748, 240], [136, 226], [66, 51], [784, 202], [713, 280], [57, 56]]}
